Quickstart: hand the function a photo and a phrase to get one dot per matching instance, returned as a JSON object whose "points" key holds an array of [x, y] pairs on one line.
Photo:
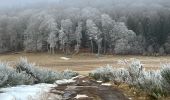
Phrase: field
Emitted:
{"points": [[83, 63]]}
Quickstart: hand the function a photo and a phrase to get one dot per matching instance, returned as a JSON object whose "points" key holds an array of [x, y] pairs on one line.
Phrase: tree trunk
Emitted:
{"points": [[99, 47], [77, 48], [50, 50], [92, 46], [104, 44], [67, 49], [53, 51]]}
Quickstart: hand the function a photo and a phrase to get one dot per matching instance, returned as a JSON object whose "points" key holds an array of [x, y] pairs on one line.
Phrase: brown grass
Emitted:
{"points": [[82, 63]]}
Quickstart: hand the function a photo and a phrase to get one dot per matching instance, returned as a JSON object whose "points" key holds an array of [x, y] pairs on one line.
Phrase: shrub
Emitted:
{"points": [[150, 82], [67, 74], [9, 76], [120, 75], [103, 73], [154, 83], [135, 70], [27, 73], [4, 73], [108, 73], [165, 73], [19, 79], [42, 75]]}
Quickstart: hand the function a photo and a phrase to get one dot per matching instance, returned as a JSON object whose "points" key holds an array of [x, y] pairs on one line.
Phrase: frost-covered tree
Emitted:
{"points": [[122, 46], [48, 26], [161, 51], [28, 28], [67, 34], [78, 36], [94, 34], [167, 45], [150, 49], [124, 40], [91, 13], [107, 25], [62, 39], [4, 36], [38, 30], [33, 37], [52, 40]]}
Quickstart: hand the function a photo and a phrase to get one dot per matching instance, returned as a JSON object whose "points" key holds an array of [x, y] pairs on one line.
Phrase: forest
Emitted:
{"points": [[94, 26]]}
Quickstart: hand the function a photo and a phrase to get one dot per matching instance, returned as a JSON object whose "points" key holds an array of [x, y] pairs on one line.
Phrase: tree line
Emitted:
{"points": [[99, 29]]}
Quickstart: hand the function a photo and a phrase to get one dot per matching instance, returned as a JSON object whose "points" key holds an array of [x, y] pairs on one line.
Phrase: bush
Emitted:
{"points": [[9, 76], [108, 73], [102, 74], [67, 74], [165, 73], [4, 73], [42, 75], [154, 83], [119, 75], [135, 70], [27, 73], [151, 83]]}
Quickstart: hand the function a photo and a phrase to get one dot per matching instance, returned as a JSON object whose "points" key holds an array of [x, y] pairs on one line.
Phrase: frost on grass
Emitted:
{"points": [[109, 73], [67, 74], [9, 76], [152, 82], [165, 73], [102, 74], [135, 70], [42, 75], [26, 73]]}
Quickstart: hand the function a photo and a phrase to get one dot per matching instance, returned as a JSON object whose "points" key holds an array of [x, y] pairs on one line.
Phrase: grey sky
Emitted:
{"points": [[20, 3], [11, 3]]}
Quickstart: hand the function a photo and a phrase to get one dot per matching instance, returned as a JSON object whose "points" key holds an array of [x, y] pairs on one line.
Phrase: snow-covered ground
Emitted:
{"points": [[31, 92], [64, 58], [64, 81], [25, 92]]}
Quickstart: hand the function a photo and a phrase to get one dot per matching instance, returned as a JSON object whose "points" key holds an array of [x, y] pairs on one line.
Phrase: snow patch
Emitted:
{"points": [[64, 58], [65, 81], [81, 96], [24, 92], [84, 81], [106, 84], [79, 76], [99, 81]]}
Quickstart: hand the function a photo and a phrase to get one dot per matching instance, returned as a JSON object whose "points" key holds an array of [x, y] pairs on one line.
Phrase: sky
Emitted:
{"points": [[13, 3], [22, 3]]}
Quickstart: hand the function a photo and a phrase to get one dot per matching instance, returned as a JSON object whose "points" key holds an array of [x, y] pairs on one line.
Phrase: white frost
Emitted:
{"points": [[106, 84], [65, 81], [24, 92], [81, 96], [64, 58], [99, 81]]}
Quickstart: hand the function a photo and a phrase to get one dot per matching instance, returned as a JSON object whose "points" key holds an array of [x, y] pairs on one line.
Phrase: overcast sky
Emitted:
{"points": [[11, 3], [21, 3]]}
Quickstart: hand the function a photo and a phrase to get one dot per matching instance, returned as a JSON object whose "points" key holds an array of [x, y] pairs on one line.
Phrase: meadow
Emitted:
{"points": [[83, 63]]}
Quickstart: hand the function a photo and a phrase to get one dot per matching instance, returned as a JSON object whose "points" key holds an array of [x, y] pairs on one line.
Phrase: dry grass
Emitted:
{"points": [[82, 63]]}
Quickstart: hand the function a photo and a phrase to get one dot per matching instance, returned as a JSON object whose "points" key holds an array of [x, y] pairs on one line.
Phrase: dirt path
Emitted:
{"points": [[88, 89]]}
